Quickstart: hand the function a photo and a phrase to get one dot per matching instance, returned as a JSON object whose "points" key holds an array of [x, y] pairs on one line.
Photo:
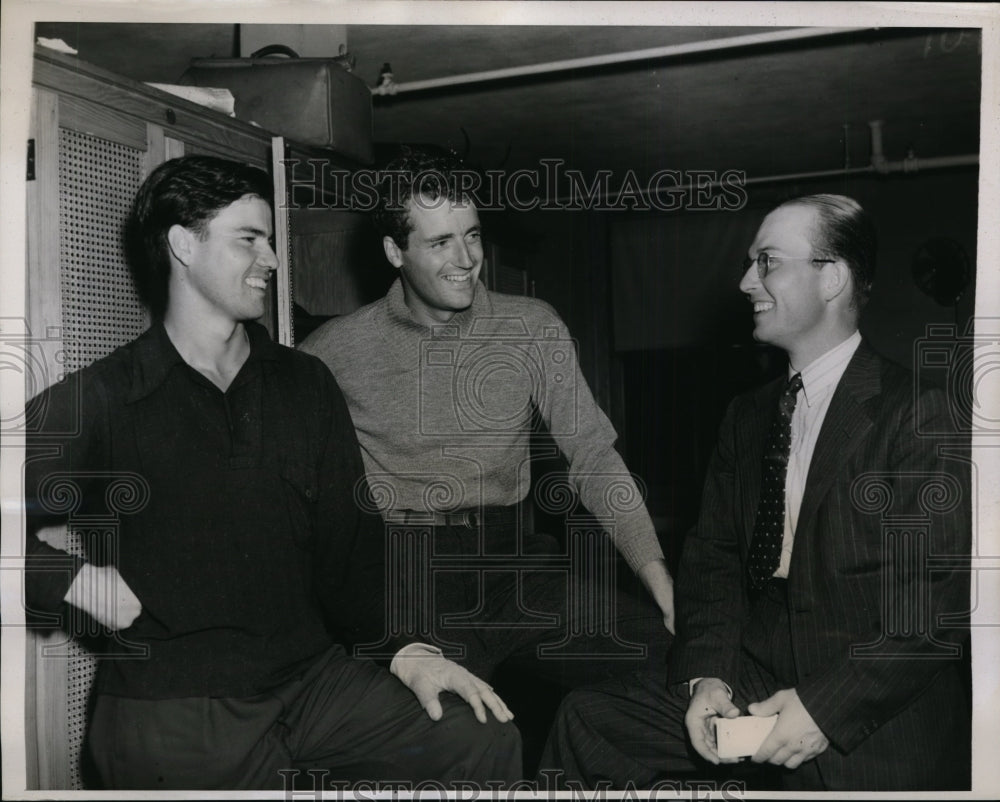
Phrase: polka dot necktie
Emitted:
{"points": [[769, 528]]}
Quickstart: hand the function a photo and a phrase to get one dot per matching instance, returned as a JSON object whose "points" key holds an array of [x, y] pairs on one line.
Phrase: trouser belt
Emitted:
{"points": [[469, 518]]}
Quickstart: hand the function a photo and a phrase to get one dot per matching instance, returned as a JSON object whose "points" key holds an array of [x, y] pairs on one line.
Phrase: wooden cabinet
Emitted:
{"points": [[338, 261]]}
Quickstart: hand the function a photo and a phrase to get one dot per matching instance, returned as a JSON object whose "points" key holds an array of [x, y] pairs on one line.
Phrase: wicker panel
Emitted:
{"points": [[97, 181], [100, 311], [81, 668]]}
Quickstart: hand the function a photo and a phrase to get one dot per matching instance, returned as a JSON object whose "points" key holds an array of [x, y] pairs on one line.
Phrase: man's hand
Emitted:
{"points": [[100, 591], [426, 672], [710, 699], [655, 577], [795, 738]]}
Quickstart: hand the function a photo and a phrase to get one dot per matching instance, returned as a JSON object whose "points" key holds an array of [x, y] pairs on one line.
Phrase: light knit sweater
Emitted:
{"points": [[444, 414]]}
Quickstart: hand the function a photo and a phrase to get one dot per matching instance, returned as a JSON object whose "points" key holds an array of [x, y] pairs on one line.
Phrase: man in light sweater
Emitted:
{"points": [[443, 379]]}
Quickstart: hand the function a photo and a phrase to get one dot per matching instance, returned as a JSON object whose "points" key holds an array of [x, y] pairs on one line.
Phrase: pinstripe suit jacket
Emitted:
{"points": [[875, 635]]}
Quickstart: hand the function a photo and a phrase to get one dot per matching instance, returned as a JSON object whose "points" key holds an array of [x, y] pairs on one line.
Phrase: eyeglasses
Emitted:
{"points": [[765, 262]]}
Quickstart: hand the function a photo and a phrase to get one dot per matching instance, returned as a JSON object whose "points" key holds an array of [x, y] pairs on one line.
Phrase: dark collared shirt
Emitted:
{"points": [[231, 515]]}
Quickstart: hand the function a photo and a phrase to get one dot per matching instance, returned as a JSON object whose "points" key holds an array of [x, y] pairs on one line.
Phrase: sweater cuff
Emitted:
{"points": [[640, 551], [49, 573]]}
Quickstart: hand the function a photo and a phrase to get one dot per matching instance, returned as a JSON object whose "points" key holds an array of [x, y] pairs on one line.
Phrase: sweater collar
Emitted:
{"points": [[401, 329]]}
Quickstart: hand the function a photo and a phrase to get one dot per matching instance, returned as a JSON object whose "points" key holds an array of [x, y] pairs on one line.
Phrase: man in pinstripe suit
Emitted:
{"points": [[847, 635]]}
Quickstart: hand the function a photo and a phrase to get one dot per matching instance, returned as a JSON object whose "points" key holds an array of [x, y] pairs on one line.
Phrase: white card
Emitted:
{"points": [[742, 737]]}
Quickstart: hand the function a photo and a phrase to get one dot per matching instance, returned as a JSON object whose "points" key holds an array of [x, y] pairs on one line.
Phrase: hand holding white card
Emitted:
{"points": [[742, 737]]}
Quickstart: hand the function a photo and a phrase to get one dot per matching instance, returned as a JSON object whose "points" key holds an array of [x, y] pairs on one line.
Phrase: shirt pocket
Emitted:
{"points": [[301, 493]]}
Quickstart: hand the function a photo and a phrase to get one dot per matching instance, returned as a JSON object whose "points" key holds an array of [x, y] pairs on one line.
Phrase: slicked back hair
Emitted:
{"points": [[845, 231]]}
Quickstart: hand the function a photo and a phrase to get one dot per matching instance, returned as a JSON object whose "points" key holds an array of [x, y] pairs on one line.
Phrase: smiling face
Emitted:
{"points": [[442, 260], [790, 305], [227, 267]]}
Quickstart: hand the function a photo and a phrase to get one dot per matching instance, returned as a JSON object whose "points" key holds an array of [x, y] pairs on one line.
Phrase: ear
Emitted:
{"points": [[180, 241], [836, 280], [392, 251]]}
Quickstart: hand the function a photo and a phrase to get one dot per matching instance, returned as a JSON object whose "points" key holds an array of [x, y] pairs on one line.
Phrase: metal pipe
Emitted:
{"points": [[878, 159], [904, 166], [711, 45]]}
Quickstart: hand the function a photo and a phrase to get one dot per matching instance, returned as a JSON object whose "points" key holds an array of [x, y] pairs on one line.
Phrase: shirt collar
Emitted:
{"points": [[824, 372], [401, 318], [155, 356]]}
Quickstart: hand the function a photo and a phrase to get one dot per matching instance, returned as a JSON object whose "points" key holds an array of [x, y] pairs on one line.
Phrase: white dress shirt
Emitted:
{"points": [[819, 380]]}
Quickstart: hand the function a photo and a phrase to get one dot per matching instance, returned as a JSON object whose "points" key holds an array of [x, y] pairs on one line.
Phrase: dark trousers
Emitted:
{"points": [[631, 730], [349, 721], [501, 597]]}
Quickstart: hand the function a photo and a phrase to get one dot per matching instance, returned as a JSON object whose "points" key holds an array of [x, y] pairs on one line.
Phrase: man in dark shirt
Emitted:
{"points": [[242, 563]]}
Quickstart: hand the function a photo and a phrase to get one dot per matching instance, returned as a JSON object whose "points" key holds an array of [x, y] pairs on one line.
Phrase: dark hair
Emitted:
{"points": [[847, 232], [415, 173], [189, 192]]}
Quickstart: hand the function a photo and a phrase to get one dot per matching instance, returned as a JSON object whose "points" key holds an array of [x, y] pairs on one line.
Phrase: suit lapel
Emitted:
{"points": [[847, 422]]}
